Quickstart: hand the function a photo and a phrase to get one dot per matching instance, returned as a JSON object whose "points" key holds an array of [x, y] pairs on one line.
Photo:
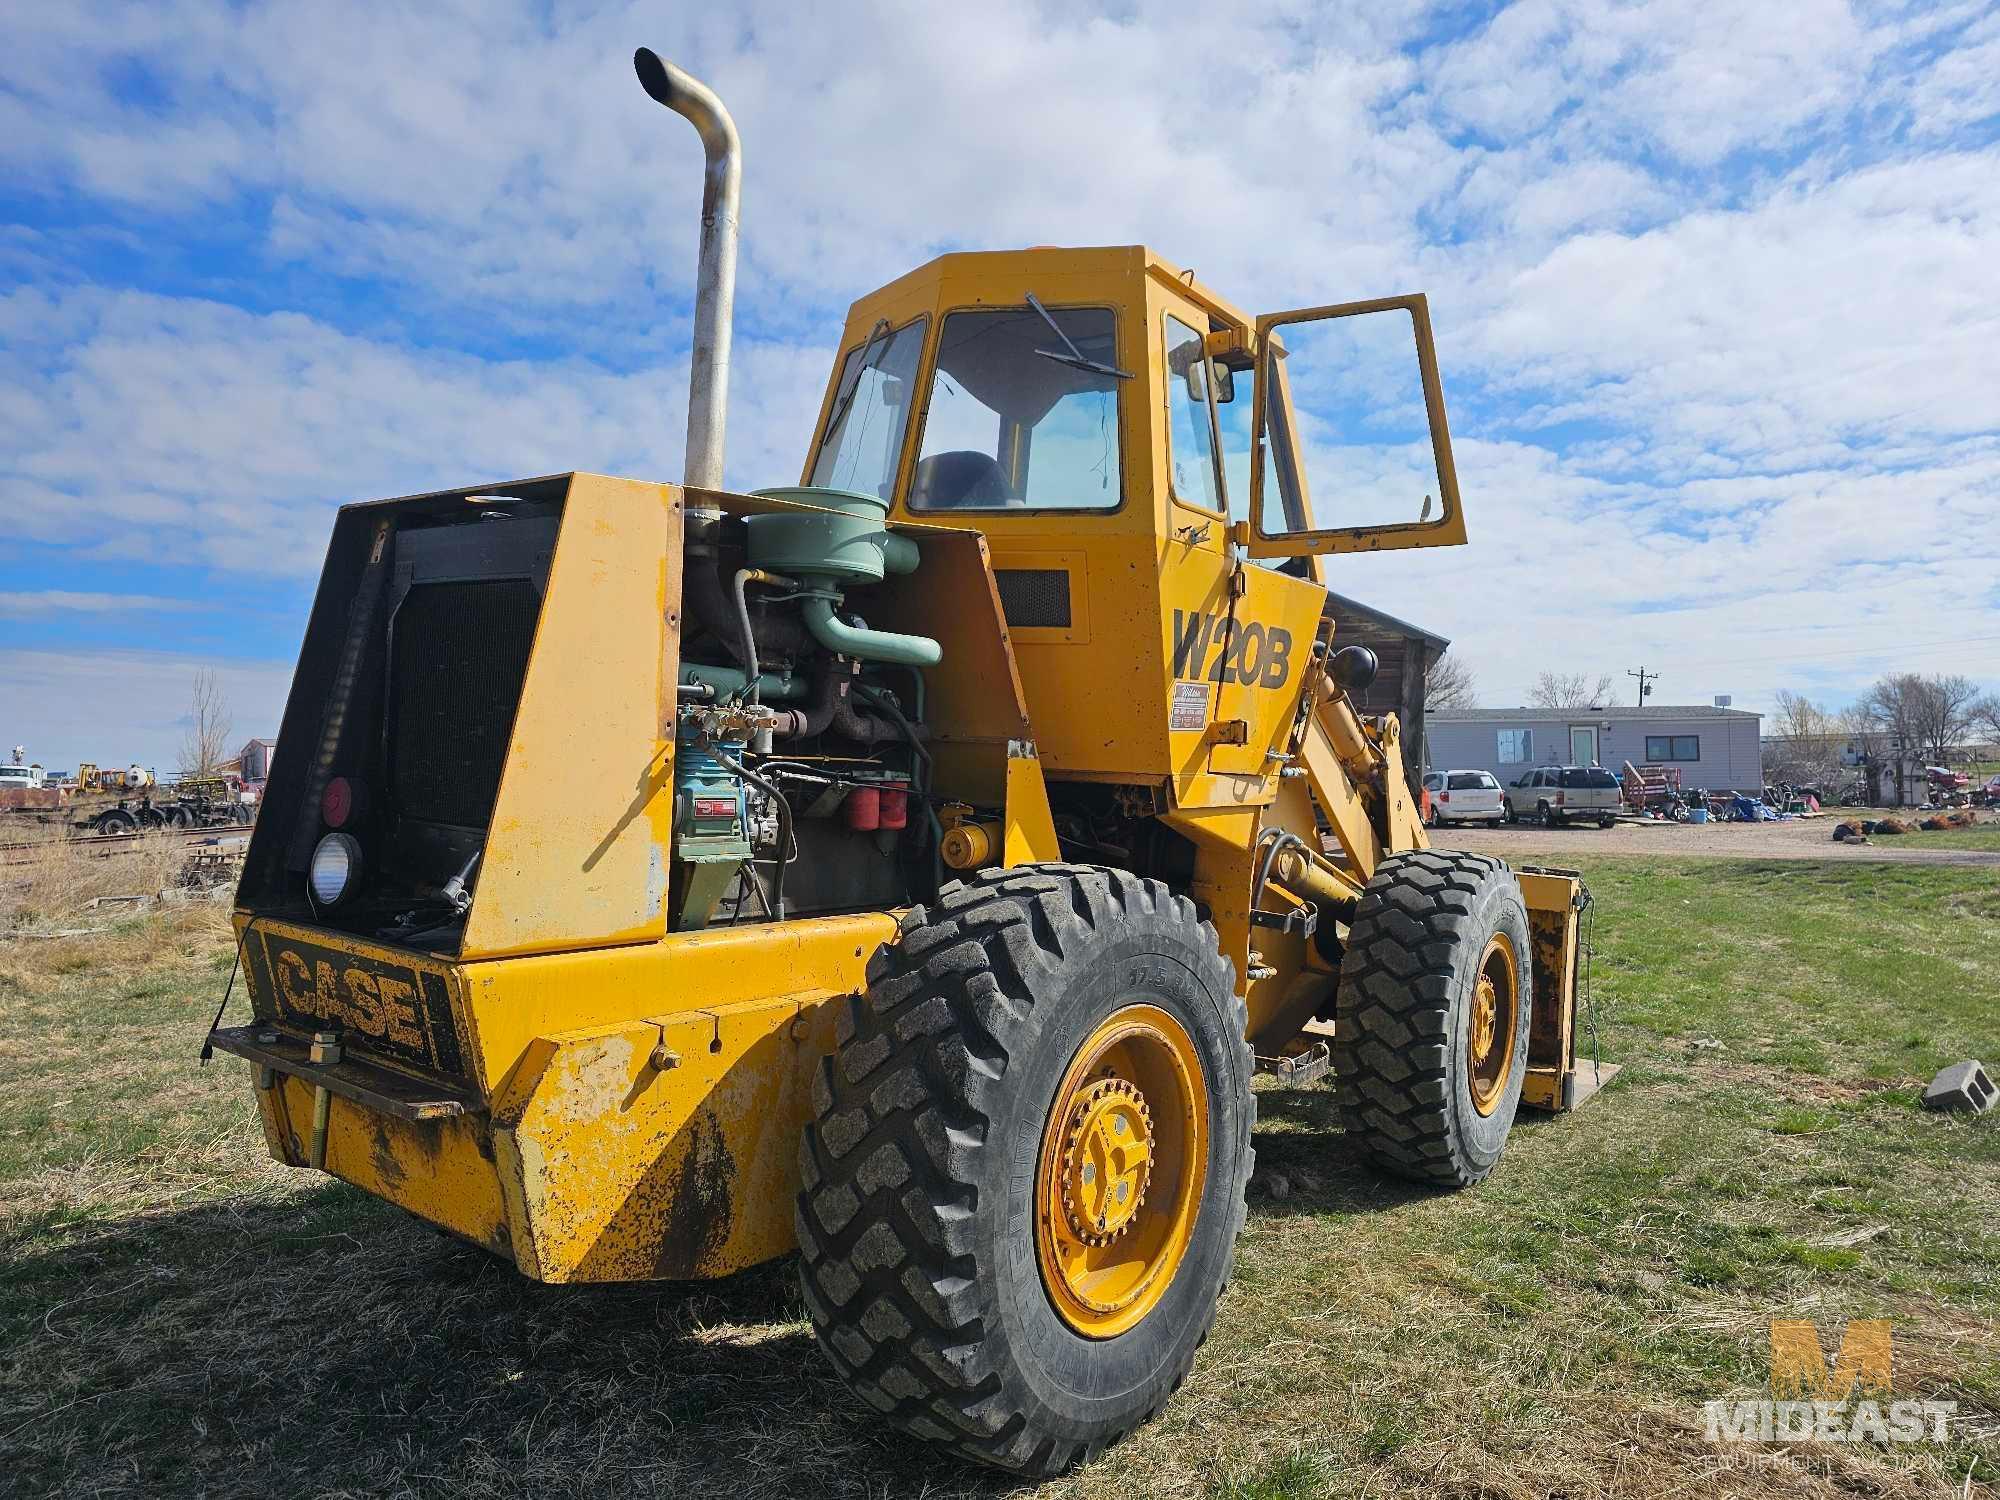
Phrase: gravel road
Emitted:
{"points": [[1806, 838]]}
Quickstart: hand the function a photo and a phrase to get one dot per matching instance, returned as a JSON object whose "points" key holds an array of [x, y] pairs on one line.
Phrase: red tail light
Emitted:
{"points": [[340, 803]]}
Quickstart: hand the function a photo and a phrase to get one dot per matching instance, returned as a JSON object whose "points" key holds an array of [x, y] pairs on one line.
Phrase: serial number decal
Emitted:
{"points": [[389, 1007], [1252, 654], [1190, 706]]}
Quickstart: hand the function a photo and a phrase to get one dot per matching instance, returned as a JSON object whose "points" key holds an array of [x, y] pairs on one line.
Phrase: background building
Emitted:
{"points": [[1718, 749], [1406, 653]]}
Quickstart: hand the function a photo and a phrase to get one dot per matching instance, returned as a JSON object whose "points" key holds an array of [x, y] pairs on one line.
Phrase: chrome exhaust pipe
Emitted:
{"points": [[715, 278]]}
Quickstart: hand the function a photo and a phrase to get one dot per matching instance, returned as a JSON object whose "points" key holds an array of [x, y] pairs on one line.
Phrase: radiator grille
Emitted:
{"points": [[1034, 596], [461, 652]]}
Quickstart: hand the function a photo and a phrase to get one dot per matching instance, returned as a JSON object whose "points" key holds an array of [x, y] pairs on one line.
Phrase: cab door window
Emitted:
{"points": [[1191, 465]]}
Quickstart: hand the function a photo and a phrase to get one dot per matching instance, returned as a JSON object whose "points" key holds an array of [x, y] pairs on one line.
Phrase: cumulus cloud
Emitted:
{"points": [[29, 604], [240, 432], [1711, 282]]}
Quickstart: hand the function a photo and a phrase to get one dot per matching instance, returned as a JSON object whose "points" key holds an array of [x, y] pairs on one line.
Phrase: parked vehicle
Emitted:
{"points": [[1462, 797], [1555, 795]]}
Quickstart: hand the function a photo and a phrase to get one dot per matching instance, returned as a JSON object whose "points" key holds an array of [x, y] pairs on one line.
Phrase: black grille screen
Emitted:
{"points": [[460, 653], [1034, 596]]}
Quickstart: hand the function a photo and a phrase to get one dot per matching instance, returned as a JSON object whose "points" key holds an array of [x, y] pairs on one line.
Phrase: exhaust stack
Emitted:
{"points": [[715, 279]]}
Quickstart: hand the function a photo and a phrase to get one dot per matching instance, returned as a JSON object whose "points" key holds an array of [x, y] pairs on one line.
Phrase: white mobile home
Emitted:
{"points": [[1717, 749]]}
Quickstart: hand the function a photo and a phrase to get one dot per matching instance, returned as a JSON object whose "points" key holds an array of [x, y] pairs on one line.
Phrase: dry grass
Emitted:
{"points": [[57, 887], [178, 1314]]}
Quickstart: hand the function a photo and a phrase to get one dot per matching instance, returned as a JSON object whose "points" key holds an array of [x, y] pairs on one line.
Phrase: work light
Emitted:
{"points": [[336, 868]]}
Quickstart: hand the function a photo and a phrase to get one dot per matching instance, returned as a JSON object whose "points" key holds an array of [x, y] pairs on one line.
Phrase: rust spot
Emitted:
{"points": [[700, 1208], [388, 1170]]}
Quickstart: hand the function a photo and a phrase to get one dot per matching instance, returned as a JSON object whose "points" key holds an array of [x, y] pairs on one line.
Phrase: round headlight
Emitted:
{"points": [[336, 868]]}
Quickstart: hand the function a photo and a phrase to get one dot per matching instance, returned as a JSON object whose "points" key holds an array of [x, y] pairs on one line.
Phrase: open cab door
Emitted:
{"points": [[1338, 396]]}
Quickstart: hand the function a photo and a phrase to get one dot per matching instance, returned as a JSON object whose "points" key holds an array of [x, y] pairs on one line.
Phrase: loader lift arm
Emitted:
{"points": [[1354, 768]]}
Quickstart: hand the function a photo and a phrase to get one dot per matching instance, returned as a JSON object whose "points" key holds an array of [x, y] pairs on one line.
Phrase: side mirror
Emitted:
{"points": [[1195, 374]]}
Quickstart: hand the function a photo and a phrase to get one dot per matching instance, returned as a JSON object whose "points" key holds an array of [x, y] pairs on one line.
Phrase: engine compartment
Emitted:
{"points": [[469, 722], [802, 784]]}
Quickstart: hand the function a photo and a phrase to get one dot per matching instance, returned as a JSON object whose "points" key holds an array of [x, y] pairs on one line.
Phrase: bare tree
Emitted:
{"points": [[1805, 742], [1449, 684], [205, 747], [1922, 714], [1570, 690], [1985, 717]]}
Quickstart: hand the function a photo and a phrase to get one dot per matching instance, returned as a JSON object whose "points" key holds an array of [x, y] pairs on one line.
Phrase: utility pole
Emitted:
{"points": [[1645, 688]]}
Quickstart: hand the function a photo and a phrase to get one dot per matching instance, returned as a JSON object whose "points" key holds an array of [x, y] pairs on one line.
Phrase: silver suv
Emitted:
{"points": [[1554, 795]]}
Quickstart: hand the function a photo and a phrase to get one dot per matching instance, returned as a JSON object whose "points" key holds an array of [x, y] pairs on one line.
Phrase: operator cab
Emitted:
{"points": [[1125, 441], [1032, 381]]}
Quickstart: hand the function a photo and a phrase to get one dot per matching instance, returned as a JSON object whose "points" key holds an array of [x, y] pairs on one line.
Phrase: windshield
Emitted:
{"points": [[1009, 427], [870, 412]]}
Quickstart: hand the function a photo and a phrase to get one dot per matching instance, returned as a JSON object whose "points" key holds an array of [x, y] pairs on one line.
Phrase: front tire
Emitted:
{"points": [[1431, 1022], [971, 1213]]}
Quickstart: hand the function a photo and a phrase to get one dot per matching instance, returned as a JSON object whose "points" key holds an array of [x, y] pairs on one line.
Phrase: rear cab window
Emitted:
{"points": [[1467, 781], [1592, 777]]}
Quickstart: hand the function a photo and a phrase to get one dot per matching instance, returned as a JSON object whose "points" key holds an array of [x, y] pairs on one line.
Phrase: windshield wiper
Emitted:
{"points": [[847, 397], [1069, 354]]}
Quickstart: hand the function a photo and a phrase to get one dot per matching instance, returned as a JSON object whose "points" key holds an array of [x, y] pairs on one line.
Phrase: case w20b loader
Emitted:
{"points": [[912, 867]]}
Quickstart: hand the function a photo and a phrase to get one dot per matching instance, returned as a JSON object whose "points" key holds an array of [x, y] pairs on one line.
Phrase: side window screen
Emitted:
{"points": [[1007, 427], [871, 410], [1191, 453]]}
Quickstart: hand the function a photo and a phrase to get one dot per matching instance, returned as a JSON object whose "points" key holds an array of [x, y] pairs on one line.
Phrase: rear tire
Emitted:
{"points": [[1418, 1092], [922, 1216]]}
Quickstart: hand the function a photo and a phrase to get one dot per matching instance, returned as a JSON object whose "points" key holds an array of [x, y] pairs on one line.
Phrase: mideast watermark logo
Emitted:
{"points": [[1854, 1402]]}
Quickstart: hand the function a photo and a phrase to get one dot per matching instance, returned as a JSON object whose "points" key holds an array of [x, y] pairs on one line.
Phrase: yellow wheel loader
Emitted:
{"points": [[910, 867]]}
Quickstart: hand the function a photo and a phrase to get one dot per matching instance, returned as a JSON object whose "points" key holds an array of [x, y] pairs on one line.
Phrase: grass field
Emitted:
{"points": [[179, 1315], [1986, 836]]}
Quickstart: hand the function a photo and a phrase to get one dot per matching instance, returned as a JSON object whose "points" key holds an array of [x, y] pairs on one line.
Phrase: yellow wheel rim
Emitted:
{"points": [[1489, 1036], [1124, 1156]]}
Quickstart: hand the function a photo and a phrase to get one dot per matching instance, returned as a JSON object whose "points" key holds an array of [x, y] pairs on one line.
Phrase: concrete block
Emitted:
{"points": [[1962, 1086]]}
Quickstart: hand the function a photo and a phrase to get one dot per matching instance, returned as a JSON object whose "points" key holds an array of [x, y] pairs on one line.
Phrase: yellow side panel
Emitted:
{"points": [[1031, 827], [439, 1170], [578, 852], [1094, 689], [1264, 668], [511, 1004], [663, 1150]]}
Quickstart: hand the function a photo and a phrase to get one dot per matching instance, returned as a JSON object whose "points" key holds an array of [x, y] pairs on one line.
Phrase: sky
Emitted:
{"points": [[1713, 287]]}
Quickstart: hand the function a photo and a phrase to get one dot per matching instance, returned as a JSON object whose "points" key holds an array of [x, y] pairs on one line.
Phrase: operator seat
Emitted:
{"points": [[960, 480]]}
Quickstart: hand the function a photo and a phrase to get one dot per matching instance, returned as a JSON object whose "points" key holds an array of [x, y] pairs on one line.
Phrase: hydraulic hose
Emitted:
{"points": [[745, 577], [923, 758], [831, 709], [777, 797]]}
